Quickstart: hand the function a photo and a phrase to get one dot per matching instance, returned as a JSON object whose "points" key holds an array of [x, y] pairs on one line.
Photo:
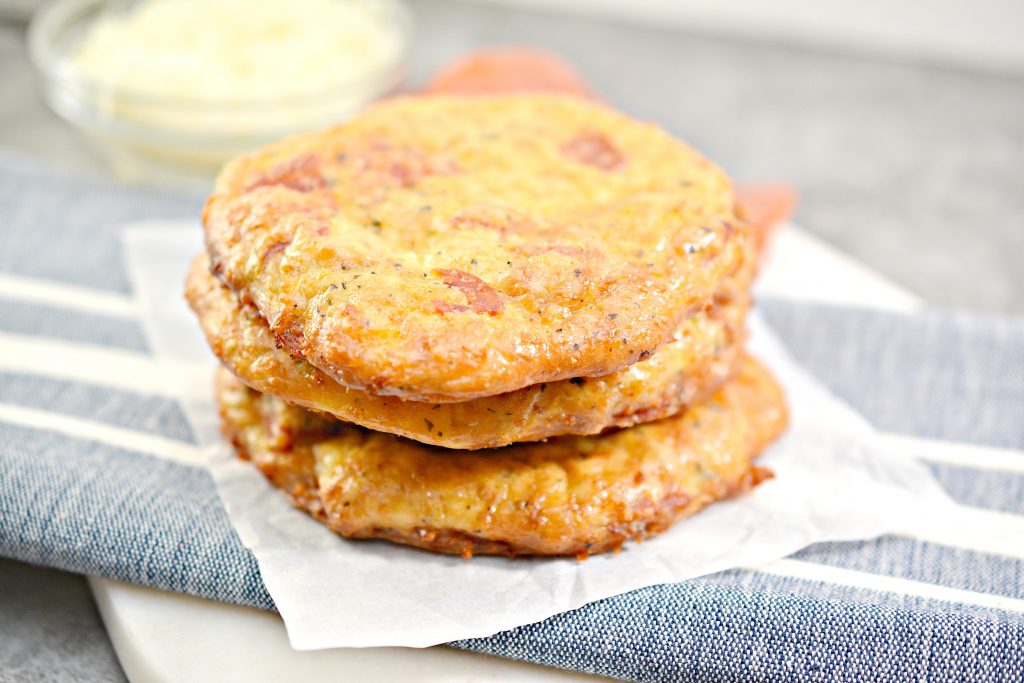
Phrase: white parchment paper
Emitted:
{"points": [[834, 481]]}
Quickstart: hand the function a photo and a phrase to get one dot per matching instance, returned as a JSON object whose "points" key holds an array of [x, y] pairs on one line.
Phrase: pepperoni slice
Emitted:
{"points": [[594, 149], [448, 307], [508, 70], [764, 206], [481, 297], [301, 173], [498, 218], [399, 165]]}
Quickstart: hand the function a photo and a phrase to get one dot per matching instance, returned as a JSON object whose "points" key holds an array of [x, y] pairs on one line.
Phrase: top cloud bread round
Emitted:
{"points": [[448, 248]]}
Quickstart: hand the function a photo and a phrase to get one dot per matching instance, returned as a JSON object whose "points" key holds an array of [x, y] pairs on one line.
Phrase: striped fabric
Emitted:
{"points": [[99, 475]]}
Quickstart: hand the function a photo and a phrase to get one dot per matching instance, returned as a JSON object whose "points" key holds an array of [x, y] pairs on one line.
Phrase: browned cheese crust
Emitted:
{"points": [[678, 374], [569, 496], [446, 248]]}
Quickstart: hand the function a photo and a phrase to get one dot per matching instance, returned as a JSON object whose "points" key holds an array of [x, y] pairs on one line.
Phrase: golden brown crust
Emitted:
{"points": [[445, 248], [680, 373], [570, 496]]}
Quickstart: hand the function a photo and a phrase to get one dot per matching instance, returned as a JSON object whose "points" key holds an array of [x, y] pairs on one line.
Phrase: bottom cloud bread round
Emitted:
{"points": [[568, 496], [676, 375]]}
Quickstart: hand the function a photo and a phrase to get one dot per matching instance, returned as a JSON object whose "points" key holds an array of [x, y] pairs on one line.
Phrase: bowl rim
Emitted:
{"points": [[53, 18]]}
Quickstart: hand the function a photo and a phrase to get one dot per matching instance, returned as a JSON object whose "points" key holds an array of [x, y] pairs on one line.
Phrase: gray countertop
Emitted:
{"points": [[914, 170]]}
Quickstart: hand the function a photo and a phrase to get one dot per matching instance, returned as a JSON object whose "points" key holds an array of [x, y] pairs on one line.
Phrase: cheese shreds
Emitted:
{"points": [[223, 51]]}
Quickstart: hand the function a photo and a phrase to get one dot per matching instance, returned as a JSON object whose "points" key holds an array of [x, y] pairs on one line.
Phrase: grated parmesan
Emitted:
{"points": [[222, 51]]}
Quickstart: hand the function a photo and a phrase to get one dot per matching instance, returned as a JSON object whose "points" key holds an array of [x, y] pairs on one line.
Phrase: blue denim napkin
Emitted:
{"points": [[75, 494]]}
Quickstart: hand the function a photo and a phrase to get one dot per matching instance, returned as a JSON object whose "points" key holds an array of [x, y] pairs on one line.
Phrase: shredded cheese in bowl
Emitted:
{"points": [[196, 82], [237, 50]]}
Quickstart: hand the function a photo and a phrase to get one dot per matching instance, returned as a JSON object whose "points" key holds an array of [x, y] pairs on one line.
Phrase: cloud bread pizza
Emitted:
{"points": [[444, 249], [680, 372], [569, 496]]}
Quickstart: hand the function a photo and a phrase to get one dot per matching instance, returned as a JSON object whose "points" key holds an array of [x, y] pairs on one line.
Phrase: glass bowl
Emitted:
{"points": [[157, 138]]}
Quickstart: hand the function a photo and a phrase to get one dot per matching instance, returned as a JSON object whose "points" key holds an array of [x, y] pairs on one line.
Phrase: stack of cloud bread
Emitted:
{"points": [[500, 324]]}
